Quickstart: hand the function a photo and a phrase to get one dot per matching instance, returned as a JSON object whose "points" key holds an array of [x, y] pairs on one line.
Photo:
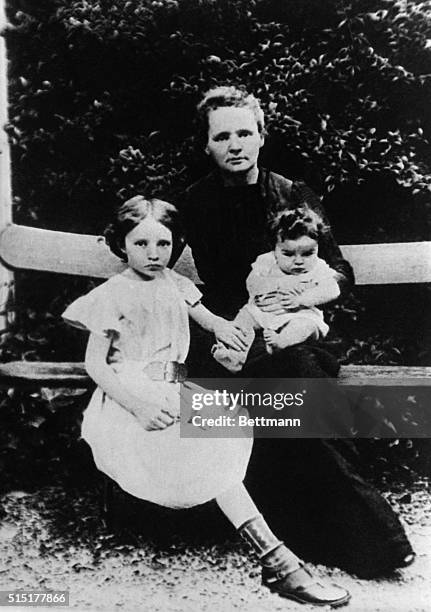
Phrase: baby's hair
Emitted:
{"points": [[295, 223], [135, 210], [228, 95]]}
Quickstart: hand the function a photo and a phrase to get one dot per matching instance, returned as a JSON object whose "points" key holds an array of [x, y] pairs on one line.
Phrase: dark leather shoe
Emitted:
{"points": [[300, 586], [408, 560]]}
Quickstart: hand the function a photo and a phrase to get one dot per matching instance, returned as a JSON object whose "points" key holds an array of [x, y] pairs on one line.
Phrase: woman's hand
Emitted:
{"points": [[230, 334], [280, 302]]}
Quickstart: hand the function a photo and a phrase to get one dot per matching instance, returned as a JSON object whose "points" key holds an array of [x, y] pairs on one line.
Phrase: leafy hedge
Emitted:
{"points": [[102, 98], [103, 95], [102, 106]]}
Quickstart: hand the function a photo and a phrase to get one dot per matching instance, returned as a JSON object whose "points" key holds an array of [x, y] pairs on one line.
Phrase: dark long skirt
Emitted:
{"points": [[310, 490]]}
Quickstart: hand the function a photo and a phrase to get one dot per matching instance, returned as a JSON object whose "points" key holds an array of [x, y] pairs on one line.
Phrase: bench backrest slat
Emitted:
{"points": [[31, 248], [48, 251], [391, 263]]}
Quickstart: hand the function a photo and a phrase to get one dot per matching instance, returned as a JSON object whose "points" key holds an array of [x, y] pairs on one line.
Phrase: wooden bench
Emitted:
{"points": [[85, 255]]}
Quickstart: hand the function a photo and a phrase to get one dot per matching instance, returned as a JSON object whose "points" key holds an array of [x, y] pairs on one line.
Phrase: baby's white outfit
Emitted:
{"points": [[147, 321], [266, 277]]}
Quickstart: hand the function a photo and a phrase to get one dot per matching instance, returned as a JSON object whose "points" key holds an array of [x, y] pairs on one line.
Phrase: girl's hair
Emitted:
{"points": [[227, 95], [135, 210], [293, 224]]}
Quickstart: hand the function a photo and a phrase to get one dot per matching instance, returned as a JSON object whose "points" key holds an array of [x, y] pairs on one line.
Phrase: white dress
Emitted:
{"points": [[148, 321]]}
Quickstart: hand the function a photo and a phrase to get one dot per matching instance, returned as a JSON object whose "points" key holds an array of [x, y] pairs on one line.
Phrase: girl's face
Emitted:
{"points": [[148, 247], [296, 256], [234, 140]]}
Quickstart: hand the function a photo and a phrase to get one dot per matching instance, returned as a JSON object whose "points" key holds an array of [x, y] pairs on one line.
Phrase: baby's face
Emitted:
{"points": [[149, 247], [296, 256]]}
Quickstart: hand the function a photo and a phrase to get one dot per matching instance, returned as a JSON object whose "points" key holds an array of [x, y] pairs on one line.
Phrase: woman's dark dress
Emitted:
{"points": [[308, 489]]}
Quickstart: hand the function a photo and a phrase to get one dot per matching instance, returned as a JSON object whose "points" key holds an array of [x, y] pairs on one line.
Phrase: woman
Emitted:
{"points": [[324, 509]]}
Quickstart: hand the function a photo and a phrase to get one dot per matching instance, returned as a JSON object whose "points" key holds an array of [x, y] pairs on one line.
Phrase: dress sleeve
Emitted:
{"points": [[198, 225], [188, 289], [263, 264], [325, 287], [95, 312], [323, 272], [254, 283], [261, 278]]}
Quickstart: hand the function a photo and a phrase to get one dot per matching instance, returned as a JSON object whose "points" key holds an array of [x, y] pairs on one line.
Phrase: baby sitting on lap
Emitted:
{"points": [[285, 288]]}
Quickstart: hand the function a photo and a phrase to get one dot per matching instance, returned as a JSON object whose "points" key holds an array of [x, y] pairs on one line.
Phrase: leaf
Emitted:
{"points": [[36, 422]]}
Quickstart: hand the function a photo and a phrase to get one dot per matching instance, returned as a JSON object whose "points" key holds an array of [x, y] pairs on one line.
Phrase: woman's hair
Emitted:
{"points": [[228, 95], [135, 210], [295, 223]]}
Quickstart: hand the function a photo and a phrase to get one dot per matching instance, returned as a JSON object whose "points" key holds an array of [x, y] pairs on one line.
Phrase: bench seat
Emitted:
{"points": [[72, 374]]}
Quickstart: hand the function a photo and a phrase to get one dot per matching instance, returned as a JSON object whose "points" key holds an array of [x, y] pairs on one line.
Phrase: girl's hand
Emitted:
{"points": [[231, 334], [154, 416], [161, 409]]}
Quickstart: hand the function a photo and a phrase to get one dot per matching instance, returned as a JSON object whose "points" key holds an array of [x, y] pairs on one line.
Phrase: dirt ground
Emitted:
{"points": [[54, 539]]}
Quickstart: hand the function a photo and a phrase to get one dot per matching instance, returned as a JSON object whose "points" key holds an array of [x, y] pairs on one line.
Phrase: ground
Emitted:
{"points": [[54, 539]]}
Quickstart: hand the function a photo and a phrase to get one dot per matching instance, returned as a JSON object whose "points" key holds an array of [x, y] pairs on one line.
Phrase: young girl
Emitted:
{"points": [[139, 338], [297, 276]]}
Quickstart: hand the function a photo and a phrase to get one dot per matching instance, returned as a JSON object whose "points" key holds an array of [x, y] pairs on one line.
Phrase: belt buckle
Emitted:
{"points": [[171, 371], [174, 372]]}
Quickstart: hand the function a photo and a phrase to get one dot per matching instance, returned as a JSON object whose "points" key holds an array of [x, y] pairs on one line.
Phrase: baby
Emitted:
{"points": [[285, 287]]}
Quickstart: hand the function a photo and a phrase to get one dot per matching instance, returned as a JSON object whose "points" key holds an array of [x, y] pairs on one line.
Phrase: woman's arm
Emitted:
{"points": [[227, 332], [295, 295], [294, 299], [152, 414]]}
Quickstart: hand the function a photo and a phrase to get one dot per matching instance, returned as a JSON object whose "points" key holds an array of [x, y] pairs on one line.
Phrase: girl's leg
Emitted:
{"points": [[237, 505], [282, 571]]}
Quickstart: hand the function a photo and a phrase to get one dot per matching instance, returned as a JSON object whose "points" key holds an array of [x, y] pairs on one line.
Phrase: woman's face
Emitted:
{"points": [[149, 247], [234, 140]]}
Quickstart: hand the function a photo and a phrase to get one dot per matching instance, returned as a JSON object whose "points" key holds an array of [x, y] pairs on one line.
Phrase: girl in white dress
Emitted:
{"points": [[139, 339]]}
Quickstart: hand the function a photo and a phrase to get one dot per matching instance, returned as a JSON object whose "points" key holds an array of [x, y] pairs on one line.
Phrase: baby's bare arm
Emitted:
{"points": [[225, 331]]}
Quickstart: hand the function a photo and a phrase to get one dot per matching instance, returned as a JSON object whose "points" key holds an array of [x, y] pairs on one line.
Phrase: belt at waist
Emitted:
{"points": [[168, 371]]}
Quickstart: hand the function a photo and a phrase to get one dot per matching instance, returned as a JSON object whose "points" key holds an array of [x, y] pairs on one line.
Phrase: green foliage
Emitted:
{"points": [[102, 98], [103, 94]]}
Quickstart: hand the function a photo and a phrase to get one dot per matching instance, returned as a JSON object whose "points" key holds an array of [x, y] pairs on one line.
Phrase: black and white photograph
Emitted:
{"points": [[215, 306]]}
